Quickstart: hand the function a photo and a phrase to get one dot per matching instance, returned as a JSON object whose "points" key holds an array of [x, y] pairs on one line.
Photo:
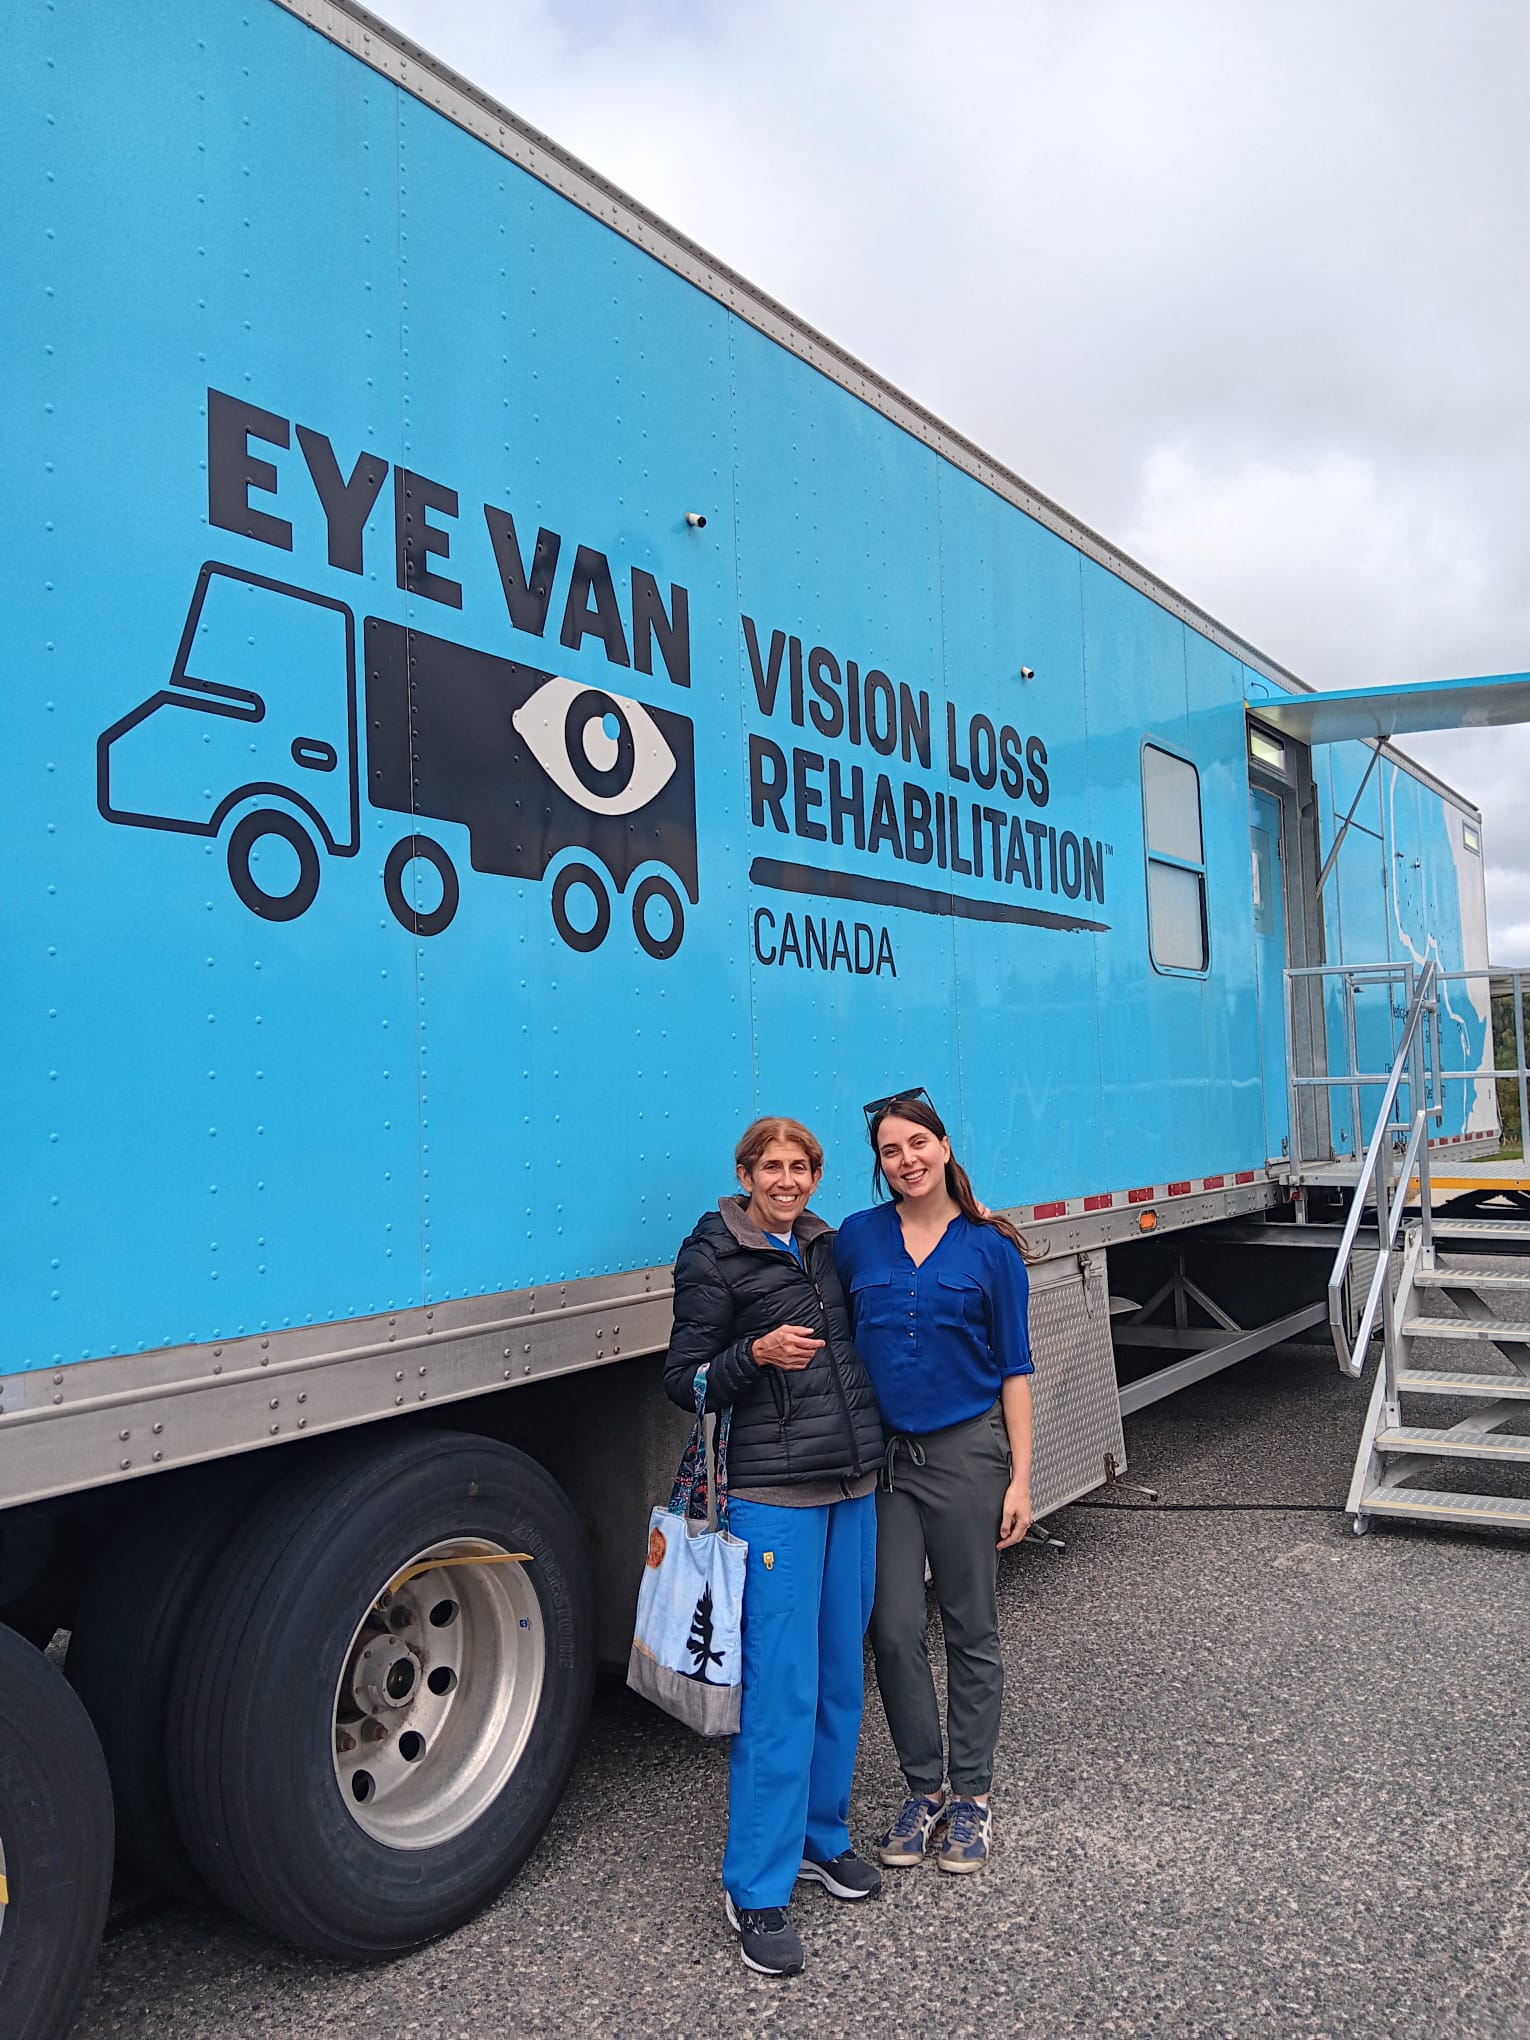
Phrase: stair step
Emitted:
{"points": [[1453, 1444], [1516, 1330], [1430, 1506], [1471, 1278], [1483, 1387], [1444, 1226]]}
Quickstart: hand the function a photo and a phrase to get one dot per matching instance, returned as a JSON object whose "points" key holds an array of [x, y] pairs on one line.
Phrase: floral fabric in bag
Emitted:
{"points": [[685, 1646]]}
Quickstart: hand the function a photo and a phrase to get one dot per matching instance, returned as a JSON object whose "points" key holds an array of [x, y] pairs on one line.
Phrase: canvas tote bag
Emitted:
{"points": [[685, 1646]]}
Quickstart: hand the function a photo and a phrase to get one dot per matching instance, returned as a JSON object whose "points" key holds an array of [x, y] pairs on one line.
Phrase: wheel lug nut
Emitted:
{"points": [[373, 1731], [345, 1742]]}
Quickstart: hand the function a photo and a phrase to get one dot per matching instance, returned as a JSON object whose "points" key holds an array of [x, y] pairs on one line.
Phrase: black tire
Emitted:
{"points": [[56, 1835], [252, 1731], [246, 834], [138, 1608]]}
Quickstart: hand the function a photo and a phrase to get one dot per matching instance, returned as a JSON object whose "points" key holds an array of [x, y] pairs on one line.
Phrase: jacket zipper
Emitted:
{"points": [[856, 1468], [839, 1386]]}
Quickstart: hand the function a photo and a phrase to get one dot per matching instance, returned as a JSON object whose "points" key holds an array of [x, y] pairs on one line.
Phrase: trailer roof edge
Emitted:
{"points": [[376, 43]]}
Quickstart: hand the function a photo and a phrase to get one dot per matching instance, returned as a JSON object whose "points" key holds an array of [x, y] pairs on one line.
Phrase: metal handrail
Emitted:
{"points": [[1501, 984], [1375, 1168]]}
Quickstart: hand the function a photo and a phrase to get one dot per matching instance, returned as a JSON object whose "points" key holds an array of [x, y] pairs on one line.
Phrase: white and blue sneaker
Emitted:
{"points": [[907, 1840], [969, 1829]]}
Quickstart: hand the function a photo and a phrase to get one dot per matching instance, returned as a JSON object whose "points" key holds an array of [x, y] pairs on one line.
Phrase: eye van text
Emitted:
{"points": [[423, 515]]}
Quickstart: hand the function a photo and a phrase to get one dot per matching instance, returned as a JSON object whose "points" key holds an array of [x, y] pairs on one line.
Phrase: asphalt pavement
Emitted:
{"points": [[1259, 1776]]}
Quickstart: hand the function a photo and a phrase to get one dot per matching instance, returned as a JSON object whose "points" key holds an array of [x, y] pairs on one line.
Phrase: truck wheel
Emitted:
{"points": [[379, 1704], [243, 855], [660, 947], [132, 1619], [400, 857], [55, 1846], [583, 939]]}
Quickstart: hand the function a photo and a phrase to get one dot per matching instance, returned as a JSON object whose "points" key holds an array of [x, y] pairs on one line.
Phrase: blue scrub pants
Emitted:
{"points": [[807, 1599]]}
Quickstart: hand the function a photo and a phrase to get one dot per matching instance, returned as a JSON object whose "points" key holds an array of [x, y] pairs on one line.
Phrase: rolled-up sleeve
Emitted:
{"points": [[1009, 1308]]}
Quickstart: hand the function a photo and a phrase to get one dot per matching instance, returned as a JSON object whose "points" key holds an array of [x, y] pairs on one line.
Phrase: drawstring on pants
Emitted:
{"points": [[895, 1444]]}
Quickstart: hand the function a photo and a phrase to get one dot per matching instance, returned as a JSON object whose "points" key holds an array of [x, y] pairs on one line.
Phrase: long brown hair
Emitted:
{"points": [[958, 1184]]}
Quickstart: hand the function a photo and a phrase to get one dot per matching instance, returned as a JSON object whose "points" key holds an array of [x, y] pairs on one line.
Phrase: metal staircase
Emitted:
{"points": [[1463, 1285]]}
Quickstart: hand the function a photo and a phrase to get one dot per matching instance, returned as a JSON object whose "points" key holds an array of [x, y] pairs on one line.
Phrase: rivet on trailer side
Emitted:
{"points": [[480, 669]]}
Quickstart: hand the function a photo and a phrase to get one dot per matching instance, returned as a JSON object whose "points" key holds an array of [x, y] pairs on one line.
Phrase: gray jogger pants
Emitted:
{"points": [[940, 1499]]}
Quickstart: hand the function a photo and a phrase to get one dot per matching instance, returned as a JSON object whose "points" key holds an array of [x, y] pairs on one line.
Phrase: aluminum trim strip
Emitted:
{"points": [[97, 1422]]}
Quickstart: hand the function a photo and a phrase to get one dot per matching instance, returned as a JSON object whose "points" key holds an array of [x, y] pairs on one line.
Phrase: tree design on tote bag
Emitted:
{"points": [[699, 1642]]}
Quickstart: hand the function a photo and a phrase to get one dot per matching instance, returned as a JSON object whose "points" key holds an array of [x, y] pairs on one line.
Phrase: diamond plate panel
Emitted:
{"points": [[1077, 1404]]}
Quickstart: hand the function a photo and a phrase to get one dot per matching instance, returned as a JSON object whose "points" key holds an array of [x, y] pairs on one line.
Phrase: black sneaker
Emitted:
{"points": [[843, 1876], [767, 1939]]}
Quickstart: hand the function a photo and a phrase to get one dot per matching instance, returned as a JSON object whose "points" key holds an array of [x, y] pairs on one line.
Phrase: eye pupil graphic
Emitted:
{"points": [[599, 742]]}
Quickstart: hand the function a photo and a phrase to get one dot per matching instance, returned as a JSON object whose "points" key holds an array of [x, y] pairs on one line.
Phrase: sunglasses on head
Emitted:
{"points": [[874, 1110]]}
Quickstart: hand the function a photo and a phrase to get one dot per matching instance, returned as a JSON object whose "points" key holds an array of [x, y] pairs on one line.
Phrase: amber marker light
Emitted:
{"points": [[1148, 1221]]}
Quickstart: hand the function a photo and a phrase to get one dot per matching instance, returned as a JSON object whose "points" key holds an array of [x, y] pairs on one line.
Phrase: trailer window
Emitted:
{"points": [[1265, 749], [1471, 839], [1176, 861]]}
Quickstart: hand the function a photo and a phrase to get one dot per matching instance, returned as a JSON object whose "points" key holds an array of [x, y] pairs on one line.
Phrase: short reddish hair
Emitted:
{"points": [[759, 1135]]}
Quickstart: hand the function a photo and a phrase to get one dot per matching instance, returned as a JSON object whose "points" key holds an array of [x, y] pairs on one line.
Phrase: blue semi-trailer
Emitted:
{"points": [[494, 702]]}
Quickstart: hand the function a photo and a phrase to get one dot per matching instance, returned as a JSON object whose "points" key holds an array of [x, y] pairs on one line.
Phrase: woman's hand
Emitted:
{"points": [[1015, 1519], [788, 1346]]}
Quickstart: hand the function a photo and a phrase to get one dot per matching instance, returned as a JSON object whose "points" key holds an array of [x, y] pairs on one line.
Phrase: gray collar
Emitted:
{"points": [[808, 1226]]}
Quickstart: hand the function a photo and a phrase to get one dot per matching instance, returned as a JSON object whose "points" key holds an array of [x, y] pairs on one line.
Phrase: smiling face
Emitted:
{"points": [[913, 1159], [779, 1186]]}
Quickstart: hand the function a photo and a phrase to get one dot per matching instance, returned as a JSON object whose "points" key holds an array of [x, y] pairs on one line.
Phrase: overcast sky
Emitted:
{"points": [[1244, 285]]}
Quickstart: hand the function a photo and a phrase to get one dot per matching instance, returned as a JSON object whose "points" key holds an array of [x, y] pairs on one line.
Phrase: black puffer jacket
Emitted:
{"points": [[733, 1284]]}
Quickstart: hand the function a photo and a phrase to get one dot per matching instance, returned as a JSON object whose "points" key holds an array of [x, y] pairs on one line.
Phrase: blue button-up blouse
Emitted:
{"points": [[938, 1339]]}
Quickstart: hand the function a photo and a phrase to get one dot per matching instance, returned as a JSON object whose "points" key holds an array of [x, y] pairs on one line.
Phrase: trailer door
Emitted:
{"points": [[1270, 958]]}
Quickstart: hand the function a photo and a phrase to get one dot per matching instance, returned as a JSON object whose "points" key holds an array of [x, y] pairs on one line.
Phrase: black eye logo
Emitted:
{"points": [[602, 750]]}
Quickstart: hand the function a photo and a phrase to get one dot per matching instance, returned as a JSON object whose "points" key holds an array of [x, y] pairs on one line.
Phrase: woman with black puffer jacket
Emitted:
{"points": [[759, 1306]]}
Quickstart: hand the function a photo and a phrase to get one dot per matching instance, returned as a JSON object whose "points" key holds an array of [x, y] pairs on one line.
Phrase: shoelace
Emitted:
{"points": [[910, 1820], [966, 1822], [769, 1921]]}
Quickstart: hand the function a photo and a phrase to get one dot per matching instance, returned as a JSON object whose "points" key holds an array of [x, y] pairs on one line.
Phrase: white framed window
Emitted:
{"points": [[1470, 839], [1176, 862]]}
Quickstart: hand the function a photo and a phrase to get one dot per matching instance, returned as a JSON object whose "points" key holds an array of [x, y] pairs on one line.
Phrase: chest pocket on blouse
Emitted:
{"points": [[871, 1298], [957, 1301]]}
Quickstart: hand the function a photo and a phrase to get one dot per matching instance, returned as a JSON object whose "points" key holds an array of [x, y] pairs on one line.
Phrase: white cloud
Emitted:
{"points": [[1340, 571]]}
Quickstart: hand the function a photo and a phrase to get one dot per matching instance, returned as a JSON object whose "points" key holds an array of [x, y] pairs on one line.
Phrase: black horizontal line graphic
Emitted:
{"points": [[916, 899]]}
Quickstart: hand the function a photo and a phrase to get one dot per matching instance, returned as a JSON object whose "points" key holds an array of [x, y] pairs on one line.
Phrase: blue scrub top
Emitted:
{"points": [[938, 1339]]}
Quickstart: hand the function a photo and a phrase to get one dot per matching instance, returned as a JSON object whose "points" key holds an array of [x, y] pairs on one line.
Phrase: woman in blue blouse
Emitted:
{"points": [[938, 1305]]}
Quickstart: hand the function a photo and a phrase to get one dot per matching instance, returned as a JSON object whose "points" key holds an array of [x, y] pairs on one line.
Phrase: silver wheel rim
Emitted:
{"points": [[437, 1694]]}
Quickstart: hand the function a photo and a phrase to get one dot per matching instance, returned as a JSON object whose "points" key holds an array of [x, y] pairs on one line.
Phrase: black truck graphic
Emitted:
{"points": [[260, 732]]}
